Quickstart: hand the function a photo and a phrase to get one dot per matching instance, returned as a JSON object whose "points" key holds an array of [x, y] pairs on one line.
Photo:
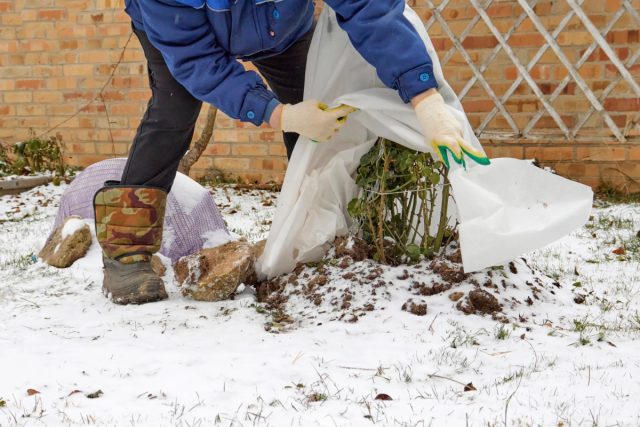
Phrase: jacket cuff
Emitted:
{"points": [[254, 107], [415, 81], [269, 110]]}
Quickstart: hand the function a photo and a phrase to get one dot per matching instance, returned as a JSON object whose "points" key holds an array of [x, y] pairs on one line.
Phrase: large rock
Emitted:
{"points": [[69, 242], [215, 274]]}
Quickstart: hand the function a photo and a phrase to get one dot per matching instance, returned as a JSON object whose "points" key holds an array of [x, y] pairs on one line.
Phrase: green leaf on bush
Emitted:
{"points": [[401, 193]]}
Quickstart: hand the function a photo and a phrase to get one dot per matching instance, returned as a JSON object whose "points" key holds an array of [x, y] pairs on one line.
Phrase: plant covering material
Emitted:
{"points": [[403, 203]]}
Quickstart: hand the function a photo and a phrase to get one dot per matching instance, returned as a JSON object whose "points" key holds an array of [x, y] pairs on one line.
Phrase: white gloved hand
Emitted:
{"points": [[313, 119], [444, 132]]}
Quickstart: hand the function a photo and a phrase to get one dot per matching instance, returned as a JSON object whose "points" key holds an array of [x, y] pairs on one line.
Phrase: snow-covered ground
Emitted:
{"points": [[70, 357]]}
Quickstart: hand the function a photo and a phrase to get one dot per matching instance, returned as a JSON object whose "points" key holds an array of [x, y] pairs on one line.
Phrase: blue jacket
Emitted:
{"points": [[200, 41]]}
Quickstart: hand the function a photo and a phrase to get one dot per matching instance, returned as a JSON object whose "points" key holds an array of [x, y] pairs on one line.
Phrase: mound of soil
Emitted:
{"points": [[347, 285]]}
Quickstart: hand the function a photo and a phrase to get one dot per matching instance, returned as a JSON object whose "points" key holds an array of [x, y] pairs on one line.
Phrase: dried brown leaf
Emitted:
{"points": [[383, 396], [95, 394]]}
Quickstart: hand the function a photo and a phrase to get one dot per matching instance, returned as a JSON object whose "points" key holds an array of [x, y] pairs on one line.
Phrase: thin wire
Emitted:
{"points": [[405, 191], [98, 96]]}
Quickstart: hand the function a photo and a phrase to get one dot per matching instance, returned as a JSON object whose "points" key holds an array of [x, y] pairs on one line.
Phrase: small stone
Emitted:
{"points": [[215, 274], [455, 296], [68, 243]]}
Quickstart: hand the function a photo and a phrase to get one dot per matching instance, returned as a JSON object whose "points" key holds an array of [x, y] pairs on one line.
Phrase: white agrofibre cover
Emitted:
{"points": [[504, 209]]}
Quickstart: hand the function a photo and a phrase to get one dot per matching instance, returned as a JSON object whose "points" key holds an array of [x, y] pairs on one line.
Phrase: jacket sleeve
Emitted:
{"points": [[184, 37], [380, 32]]}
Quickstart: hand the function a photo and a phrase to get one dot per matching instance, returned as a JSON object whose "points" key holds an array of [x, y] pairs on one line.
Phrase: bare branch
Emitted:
{"points": [[198, 146]]}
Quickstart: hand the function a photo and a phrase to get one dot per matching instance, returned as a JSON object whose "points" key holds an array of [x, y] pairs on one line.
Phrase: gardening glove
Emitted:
{"points": [[445, 133], [314, 120]]}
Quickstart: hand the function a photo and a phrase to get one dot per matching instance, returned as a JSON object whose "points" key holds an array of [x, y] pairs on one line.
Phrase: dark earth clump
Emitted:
{"points": [[479, 301], [455, 257], [512, 268], [353, 247], [419, 309], [450, 274], [428, 290]]}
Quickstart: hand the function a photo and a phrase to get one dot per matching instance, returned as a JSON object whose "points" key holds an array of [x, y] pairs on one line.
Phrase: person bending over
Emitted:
{"points": [[192, 49]]}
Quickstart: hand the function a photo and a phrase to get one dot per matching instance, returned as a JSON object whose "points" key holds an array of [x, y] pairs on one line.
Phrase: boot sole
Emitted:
{"points": [[132, 299]]}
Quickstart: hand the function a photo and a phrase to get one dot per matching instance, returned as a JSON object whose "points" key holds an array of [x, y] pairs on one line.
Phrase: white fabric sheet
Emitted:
{"points": [[491, 200]]}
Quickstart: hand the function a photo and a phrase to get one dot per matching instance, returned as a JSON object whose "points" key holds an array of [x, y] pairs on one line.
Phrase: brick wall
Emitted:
{"points": [[56, 56]]}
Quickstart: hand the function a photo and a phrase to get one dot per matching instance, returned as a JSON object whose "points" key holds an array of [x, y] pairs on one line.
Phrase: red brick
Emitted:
{"points": [[479, 42], [52, 15], [610, 153], [29, 84], [216, 149], [622, 104], [549, 153], [246, 150], [634, 153]]}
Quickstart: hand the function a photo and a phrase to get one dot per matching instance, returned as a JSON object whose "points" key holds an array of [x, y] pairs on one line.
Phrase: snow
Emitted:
{"points": [[186, 363], [216, 238], [72, 225], [190, 193]]}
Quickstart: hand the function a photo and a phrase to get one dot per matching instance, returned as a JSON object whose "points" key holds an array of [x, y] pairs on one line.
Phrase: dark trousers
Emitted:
{"points": [[167, 127]]}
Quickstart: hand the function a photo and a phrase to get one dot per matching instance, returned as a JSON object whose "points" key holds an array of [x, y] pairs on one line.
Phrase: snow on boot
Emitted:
{"points": [[129, 222]]}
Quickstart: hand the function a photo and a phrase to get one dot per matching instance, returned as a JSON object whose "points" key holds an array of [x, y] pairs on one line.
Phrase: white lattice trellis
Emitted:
{"points": [[596, 103]]}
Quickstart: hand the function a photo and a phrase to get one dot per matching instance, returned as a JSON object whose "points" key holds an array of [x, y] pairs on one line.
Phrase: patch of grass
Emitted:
{"points": [[460, 337], [634, 320], [607, 223], [317, 397], [632, 247], [20, 262], [260, 309], [214, 176], [512, 376], [321, 263], [580, 325], [610, 194], [584, 340], [502, 333]]}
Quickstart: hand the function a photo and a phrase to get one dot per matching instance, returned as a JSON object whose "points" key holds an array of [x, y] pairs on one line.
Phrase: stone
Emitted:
{"points": [[68, 243], [157, 266], [214, 274], [258, 248]]}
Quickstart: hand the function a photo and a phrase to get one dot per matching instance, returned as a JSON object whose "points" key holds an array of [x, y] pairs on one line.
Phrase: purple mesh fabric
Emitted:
{"points": [[191, 212]]}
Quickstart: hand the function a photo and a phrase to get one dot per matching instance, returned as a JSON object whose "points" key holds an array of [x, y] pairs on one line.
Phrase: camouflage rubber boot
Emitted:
{"points": [[129, 222]]}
